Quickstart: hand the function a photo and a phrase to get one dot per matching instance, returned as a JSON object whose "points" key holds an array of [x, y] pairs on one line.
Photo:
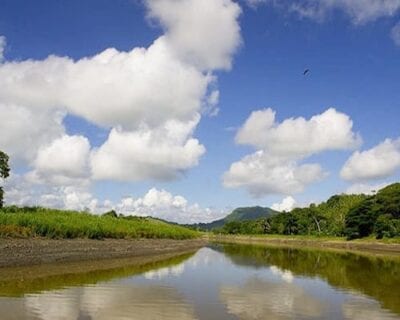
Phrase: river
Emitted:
{"points": [[216, 282]]}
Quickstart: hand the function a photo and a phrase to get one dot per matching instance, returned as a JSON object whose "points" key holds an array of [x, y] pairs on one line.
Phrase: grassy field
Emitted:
{"points": [[57, 224], [316, 238]]}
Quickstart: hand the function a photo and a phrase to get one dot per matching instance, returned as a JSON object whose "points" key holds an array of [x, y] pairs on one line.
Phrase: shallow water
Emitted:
{"points": [[219, 282]]}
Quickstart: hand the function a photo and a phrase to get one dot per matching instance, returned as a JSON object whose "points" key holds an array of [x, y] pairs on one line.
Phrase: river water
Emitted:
{"points": [[217, 282]]}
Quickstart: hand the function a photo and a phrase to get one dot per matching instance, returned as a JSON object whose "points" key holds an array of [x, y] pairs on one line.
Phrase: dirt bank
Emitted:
{"points": [[360, 246], [28, 252]]}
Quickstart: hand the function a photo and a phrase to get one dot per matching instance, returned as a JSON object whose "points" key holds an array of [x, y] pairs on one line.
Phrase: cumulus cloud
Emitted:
{"points": [[381, 161], [287, 204], [330, 130], [162, 204], [67, 156], [262, 174], [161, 153], [151, 99], [30, 191], [205, 32], [23, 130], [395, 34], [23, 190], [112, 88], [364, 188], [277, 167], [359, 11]]}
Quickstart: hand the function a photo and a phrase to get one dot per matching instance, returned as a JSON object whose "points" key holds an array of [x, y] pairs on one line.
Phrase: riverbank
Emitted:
{"points": [[37, 251], [362, 245]]}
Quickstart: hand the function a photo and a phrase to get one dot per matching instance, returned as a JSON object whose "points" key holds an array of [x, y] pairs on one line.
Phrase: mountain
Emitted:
{"points": [[239, 214]]}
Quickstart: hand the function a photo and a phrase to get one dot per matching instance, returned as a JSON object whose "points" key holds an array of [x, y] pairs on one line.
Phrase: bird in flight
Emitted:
{"points": [[306, 71]]}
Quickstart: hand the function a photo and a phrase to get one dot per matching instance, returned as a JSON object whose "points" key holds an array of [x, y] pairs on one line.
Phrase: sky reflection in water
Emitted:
{"points": [[229, 282]]}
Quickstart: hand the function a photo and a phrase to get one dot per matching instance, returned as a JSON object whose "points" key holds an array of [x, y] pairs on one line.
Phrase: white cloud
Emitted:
{"points": [[277, 167], [330, 130], [378, 162], [112, 88], [263, 174], [23, 130], [67, 156], [3, 43], [363, 188], [287, 204], [162, 204], [161, 154], [395, 34], [205, 33], [359, 11], [25, 191], [150, 98]]}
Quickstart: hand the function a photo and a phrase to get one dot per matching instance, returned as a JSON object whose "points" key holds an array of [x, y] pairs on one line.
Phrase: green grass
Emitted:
{"points": [[57, 224], [371, 239]]}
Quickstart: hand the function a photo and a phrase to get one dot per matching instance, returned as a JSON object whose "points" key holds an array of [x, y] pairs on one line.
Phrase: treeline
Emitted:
{"points": [[352, 216]]}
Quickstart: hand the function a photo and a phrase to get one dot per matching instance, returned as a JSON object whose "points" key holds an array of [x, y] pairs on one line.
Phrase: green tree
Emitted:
{"points": [[4, 172], [379, 214]]}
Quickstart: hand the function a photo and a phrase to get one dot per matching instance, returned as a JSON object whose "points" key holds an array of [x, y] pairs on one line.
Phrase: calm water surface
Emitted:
{"points": [[219, 282]]}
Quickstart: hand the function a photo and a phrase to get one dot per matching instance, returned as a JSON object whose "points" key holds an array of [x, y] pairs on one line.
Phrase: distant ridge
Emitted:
{"points": [[239, 214]]}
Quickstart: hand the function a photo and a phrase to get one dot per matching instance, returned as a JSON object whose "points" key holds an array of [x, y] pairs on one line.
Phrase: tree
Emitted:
{"points": [[111, 213], [4, 172]]}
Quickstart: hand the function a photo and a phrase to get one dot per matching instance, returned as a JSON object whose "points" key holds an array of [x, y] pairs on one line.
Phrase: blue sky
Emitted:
{"points": [[352, 51]]}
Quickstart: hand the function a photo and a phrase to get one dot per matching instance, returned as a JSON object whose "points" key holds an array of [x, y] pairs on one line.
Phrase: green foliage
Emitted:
{"points": [[242, 227], [1, 197], [4, 173], [353, 216], [378, 214], [111, 213], [36, 221]]}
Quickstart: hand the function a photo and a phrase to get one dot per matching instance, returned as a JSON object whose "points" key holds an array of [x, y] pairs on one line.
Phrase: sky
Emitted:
{"points": [[186, 109]]}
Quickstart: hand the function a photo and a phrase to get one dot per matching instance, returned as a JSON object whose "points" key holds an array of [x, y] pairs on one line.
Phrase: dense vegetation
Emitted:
{"points": [[4, 173], [30, 222], [379, 215], [353, 216], [239, 214]]}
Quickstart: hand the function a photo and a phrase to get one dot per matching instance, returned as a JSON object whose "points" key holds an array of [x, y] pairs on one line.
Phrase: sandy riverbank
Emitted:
{"points": [[375, 247], [28, 252]]}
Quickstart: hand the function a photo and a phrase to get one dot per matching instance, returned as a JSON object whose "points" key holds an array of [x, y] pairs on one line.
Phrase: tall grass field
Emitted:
{"points": [[58, 224]]}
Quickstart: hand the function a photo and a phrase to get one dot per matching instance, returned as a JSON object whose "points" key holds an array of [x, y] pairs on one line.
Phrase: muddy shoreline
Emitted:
{"points": [[29, 252], [41, 251]]}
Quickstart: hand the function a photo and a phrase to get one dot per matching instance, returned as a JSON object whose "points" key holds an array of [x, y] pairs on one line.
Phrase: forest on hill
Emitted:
{"points": [[352, 216]]}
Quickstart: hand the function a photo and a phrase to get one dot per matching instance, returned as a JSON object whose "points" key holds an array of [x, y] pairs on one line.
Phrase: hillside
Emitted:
{"points": [[239, 214], [353, 216]]}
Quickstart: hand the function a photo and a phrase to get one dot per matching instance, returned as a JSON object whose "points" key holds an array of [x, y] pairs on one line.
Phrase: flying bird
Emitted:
{"points": [[306, 71]]}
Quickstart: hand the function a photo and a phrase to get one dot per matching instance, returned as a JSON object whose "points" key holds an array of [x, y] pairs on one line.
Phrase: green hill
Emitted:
{"points": [[239, 214]]}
